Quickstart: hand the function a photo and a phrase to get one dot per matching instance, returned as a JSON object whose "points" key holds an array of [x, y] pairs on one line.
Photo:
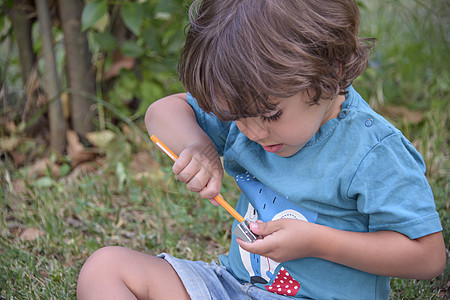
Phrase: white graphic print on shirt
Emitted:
{"points": [[266, 205]]}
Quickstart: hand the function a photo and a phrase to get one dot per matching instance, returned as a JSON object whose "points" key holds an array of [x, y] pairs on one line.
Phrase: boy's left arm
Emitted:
{"points": [[386, 253]]}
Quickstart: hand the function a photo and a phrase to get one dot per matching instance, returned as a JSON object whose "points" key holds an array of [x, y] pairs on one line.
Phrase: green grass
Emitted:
{"points": [[118, 202], [152, 213]]}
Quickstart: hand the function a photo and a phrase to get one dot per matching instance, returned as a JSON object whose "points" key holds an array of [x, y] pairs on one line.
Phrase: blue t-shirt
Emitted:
{"points": [[358, 173]]}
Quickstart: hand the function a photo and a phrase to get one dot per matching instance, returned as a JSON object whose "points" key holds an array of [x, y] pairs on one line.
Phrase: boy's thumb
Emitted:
{"points": [[259, 227]]}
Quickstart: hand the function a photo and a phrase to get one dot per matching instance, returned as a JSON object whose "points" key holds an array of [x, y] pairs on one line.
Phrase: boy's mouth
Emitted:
{"points": [[273, 148]]}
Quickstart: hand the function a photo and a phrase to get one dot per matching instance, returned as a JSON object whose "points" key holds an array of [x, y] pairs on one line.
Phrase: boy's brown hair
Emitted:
{"points": [[241, 53]]}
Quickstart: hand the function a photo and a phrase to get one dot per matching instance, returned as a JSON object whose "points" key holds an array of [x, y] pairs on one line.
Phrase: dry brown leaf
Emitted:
{"points": [[126, 129], [39, 167], [18, 158], [83, 169], [11, 127], [143, 162], [119, 62], [30, 234], [100, 139], [76, 150], [145, 168], [132, 134], [8, 144]]}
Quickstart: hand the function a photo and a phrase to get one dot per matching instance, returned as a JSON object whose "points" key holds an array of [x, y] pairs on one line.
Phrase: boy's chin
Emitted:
{"points": [[287, 152]]}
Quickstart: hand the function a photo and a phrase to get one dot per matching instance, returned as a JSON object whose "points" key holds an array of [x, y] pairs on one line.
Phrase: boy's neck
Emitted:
{"points": [[335, 107]]}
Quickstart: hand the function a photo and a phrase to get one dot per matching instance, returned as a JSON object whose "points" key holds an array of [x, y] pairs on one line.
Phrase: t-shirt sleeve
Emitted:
{"points": [[391, 188], [216, 130]]}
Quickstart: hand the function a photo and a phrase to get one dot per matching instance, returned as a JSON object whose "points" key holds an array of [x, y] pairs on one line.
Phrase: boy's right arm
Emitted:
{"points": [[173, 121]]}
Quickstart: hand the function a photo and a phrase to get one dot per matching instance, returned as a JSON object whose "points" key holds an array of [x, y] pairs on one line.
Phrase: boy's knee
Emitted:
{"points": [[99, 265]]}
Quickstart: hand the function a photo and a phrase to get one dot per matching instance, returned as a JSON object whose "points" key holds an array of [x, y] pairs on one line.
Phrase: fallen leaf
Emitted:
{"points": [[11, 127], [119, 62], [38, 168], [142, 162], [30, 234], [84, 169], [8, 144], [18, 157], [144, 167], [132, 134], [76, 150], [100, 139]]}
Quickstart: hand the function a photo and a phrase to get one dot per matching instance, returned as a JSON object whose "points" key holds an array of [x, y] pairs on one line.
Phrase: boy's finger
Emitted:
{"points": [[190, 173], [211, 189], [257, 247], [264, 228], [208, 192], [181, 163]]}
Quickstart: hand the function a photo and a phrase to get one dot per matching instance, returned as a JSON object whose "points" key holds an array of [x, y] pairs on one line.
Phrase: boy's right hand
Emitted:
{"points": [[199, 166]]}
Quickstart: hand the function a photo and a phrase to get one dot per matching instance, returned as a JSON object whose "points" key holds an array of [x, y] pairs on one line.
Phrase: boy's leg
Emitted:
{"points": [[120, 273]]}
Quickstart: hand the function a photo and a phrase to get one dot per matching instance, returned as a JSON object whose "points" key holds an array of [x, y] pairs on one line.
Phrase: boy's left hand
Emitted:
{"points": [[283, 239], [288, 239]]}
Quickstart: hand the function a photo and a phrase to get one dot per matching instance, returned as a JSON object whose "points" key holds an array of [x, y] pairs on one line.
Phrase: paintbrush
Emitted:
{"points": [[242, 230]]}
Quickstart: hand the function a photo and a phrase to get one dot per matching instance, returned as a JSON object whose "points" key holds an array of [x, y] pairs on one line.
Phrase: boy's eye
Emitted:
{"points": [[271, 118]]}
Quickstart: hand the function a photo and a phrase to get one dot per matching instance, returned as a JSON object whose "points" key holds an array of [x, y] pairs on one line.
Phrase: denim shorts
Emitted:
{"points": [[205, 281]]}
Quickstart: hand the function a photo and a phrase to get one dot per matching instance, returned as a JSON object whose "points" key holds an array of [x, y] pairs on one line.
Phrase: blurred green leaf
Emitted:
{"points": [[43, 182], [121, 174], [64, 170], [132, 15], [175, 42], [105, 40], [149, 91], [152, 38], [2, 23], [131, 49], [93, 12], [168, 6], [361, 4], [7, 3]]}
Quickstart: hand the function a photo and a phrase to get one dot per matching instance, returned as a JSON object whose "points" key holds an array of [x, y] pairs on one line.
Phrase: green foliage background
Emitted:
{"points": [[158, 28]]}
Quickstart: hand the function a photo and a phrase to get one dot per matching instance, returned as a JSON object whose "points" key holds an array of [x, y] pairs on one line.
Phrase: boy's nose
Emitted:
{"points": [[253, 128]]}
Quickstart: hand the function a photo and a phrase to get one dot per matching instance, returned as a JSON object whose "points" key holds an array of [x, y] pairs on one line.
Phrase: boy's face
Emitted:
{"points": [[291, 125]]}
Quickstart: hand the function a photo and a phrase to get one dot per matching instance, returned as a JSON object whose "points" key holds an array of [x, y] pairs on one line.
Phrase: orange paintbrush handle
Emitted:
{"points": [[229, 209], [164, 148], [218, 198]]}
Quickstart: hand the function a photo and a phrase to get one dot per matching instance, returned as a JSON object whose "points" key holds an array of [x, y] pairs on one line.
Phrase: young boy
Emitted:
{"points": [[337, 194]]}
